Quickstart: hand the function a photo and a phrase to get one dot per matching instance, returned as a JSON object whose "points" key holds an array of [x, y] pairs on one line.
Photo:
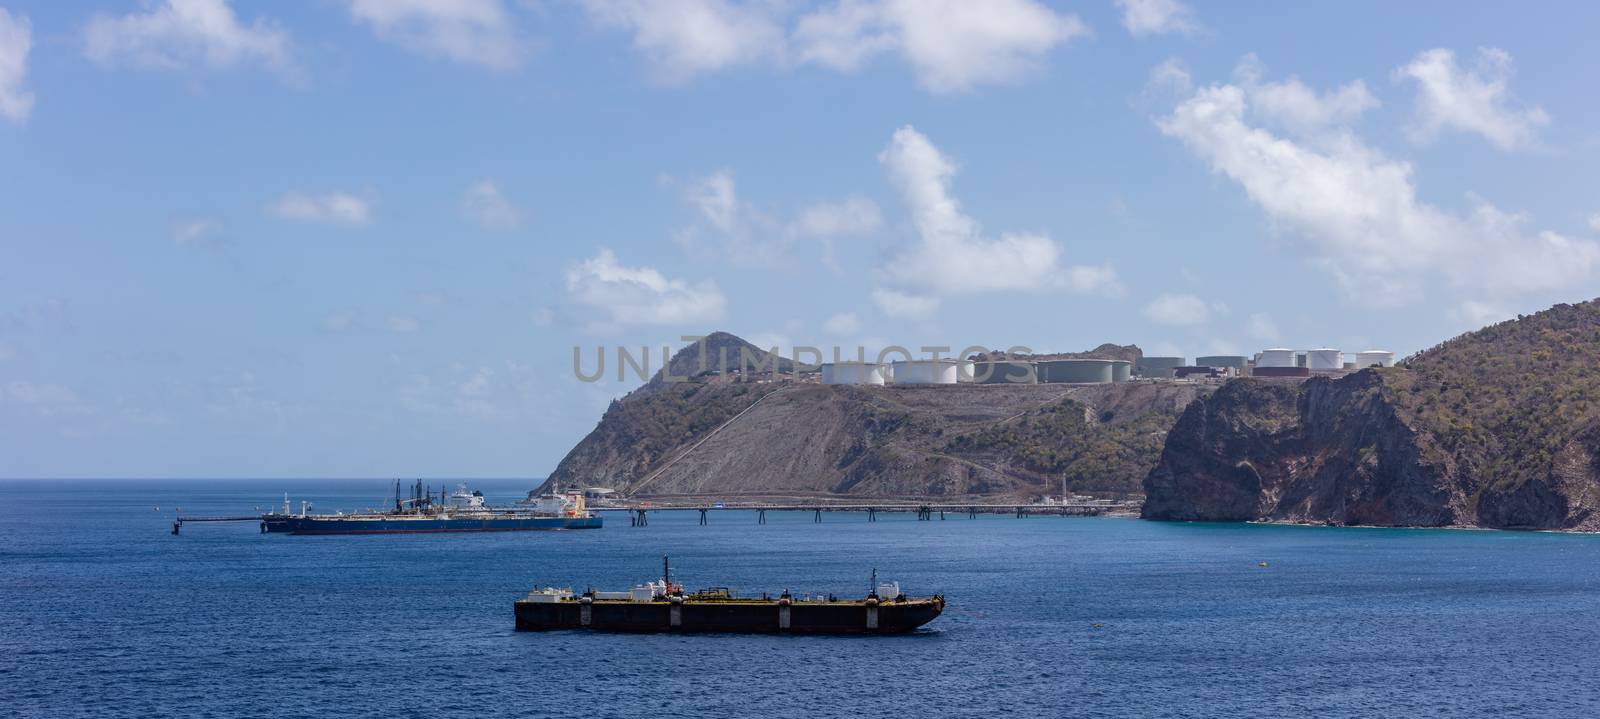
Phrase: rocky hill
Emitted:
{"points": [[731, 434], [1495, 428]]}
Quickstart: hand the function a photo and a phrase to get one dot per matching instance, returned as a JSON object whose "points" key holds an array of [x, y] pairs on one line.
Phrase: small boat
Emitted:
{"points": [[663, 606]]}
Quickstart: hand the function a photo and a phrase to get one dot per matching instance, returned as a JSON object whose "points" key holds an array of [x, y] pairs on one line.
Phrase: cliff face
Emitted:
{"points": [[1498, 428], [723, 435]]}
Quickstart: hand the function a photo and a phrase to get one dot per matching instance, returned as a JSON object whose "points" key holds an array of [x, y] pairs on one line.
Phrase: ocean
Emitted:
{"points": [[104, 613]]}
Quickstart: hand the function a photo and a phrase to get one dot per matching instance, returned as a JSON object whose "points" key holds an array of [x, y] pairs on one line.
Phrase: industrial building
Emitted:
{"points": [[1233, 362], [1374, 358], [1076, 371], [1158, 366], [1276, 357], [942, 371], [1325, 359], [1004, 372], [852, 373]]}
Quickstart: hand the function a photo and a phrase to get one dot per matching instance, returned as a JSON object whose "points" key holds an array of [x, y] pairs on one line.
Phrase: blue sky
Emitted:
{"points": [[361, 238]]}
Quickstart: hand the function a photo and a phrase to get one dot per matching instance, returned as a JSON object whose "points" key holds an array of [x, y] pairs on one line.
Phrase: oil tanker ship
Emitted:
{"points": [[460, 511], [662, 606]]}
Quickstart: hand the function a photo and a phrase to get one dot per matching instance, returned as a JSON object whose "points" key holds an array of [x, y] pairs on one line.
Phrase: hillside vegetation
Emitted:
{"points": [[1496, 428]]}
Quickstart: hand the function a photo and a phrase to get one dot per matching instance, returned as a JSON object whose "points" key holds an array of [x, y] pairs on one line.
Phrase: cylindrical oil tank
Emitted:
{"points": [[1324, 359], [1158, 366], [925, 372], [1374, 358], [1076, 371], [1276, 357], [852, 373], [1222, 361], [1121, 370], [1006, 372], [965, 370]]}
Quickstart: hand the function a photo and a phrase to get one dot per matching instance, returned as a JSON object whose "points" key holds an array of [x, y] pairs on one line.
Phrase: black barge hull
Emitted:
{"points": [[749, 617]]}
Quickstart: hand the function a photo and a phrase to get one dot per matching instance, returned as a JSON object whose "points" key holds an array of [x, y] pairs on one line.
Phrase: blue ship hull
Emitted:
{"points": [[418, 525]]}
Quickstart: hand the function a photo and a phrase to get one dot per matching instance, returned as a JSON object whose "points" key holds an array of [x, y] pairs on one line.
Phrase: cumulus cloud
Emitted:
{"points": [[337, 208], [477, 32], [753, 238], [16, 40], [1594, 222], [904, 305], [1178, 310], [1474, 313], [1476, 101], [1297, 108], [621, 296], [951, 45], [952, 255], [1157, 17], [1260, 326], [715, 197], [404, 324], [184, 34], [485, 205], [844, 323], [196, 231], [685, 38], [1356, 212], [853, 216]]}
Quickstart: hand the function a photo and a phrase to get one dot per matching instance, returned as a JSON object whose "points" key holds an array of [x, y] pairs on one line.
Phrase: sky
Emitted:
{"points": [[363, 238]]}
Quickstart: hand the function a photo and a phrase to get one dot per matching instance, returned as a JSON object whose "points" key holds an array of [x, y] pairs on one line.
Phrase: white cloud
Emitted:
{"points": [[1297, 108], [854, 216], [16, 40], [404, 324], [1449, 97], [1594, 222], [196, 231], [684, 38], [715, 197], [1260, 326], [951, 45], [485, 205], [1480, 314], [1178, 310], [952, 256], [752, 238], [339, 321], [181, 34], [479, 32], [904, 305], [844, 323], [339, 208], [1356, 211], [624, 296], [1157, 17], [45, 399]]}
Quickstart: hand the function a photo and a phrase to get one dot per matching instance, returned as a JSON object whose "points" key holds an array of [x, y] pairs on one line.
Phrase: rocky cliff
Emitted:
{"points": [[742, 433], [1496, 428]]}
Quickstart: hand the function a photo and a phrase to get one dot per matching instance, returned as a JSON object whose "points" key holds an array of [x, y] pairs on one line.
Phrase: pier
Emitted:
{"points": [[639, 516]]}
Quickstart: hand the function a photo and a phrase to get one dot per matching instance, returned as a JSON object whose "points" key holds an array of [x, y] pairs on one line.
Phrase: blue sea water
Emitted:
{"points": [[104, 613]]}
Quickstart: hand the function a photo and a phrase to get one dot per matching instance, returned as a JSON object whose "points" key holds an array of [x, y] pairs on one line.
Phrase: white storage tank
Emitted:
{"points": [[966, 370], [1276, 357], [924, 371], [852, 373], [1324, 359], [1374, 358]]}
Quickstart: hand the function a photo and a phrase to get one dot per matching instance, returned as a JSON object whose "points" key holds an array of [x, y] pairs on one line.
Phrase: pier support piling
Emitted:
{"points": [[702, 517]]}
